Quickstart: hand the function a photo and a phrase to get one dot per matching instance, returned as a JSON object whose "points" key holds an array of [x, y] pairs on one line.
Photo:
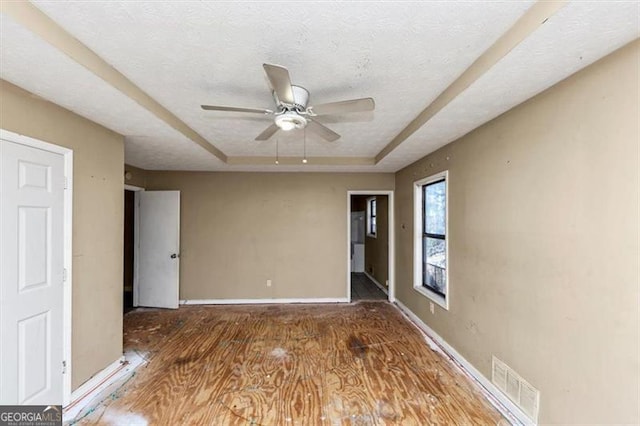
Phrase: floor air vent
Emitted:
{"points": [[516, 388]]}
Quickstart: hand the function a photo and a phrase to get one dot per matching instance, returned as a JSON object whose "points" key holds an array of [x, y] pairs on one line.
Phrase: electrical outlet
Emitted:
{"points": [[268, 283], [431, 307]]}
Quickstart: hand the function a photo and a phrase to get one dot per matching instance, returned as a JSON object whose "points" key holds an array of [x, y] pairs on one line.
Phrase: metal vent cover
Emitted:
{"points": [[516, 388]]}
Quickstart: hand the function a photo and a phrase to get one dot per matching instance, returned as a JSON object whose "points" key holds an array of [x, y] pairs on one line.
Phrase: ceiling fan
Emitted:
{"points": [[292, 107]]}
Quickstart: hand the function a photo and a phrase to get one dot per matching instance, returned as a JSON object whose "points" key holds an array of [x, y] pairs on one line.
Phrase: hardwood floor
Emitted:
{"points": [[336, 364]]}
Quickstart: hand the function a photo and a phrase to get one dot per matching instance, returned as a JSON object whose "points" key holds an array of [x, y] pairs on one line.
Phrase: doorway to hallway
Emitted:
{"points": [[370, 245]]}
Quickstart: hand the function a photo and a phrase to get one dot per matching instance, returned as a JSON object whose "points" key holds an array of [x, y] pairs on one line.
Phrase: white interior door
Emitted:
{"points": [[31, 275], [158, 259]]}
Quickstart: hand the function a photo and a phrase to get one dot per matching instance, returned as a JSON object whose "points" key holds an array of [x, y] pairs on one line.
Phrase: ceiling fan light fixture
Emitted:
{"points": [[292, 107], [290, 120]]}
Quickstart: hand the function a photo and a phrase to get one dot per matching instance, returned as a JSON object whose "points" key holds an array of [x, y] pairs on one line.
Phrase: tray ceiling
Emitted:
{"points": [[183, 54]]}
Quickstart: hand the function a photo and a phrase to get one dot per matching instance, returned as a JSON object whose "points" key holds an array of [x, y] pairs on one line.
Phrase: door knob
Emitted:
{"points": [[173, 256]]}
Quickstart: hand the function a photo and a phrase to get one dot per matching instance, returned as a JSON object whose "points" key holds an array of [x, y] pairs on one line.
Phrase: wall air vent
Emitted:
{"points": [[516, 388]]}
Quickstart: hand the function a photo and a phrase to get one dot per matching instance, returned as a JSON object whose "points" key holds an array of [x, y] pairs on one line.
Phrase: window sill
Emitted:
{"points": [[372, 236], [433, 296]]}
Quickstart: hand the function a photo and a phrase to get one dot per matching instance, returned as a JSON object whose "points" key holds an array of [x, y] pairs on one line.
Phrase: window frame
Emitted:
{"points": [[419, 233], [372, 213]]}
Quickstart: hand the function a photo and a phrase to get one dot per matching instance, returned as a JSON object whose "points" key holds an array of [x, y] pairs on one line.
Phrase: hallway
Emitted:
{"points": [[363, 288]]}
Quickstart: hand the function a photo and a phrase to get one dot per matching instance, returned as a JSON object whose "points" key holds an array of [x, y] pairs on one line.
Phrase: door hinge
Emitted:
{"points": [[66, 182], [64, 275], [64, 367]]}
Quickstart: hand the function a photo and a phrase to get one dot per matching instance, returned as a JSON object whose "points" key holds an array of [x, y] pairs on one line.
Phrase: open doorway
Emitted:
{"points": [[370, 245], [129, 244], [151, 252], [130, 241]]}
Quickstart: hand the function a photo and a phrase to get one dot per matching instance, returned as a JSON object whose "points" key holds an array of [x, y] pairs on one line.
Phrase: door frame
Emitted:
{"points": [[391, 236], [67, 235], [136, 238]]}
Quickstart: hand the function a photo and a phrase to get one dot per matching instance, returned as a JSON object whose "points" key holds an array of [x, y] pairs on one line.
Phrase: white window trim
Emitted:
{"points": [[369, 234], [417, 237]]}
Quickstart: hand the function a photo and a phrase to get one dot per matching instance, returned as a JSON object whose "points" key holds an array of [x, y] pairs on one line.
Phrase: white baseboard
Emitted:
{"points": [[87, 392], [82, 394], [259, 301], [94, 381], [494, 395], [380, 286]]}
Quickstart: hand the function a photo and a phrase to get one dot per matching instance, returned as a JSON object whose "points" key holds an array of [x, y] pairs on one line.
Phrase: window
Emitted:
{"points": [[371, 217], [431, 246]]}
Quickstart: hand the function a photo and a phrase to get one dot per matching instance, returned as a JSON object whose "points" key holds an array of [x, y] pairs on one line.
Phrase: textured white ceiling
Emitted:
{"points": [[184, 54], [578, 35], [150, 144], [29, 62]]}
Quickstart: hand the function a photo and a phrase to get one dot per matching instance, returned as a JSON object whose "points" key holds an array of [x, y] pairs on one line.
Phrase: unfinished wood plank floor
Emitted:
{"points": [[357, 364]]}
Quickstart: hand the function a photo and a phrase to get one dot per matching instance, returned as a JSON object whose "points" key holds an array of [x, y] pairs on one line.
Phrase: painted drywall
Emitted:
{"points": [[135, 176], [98, 159], [239, 230], [376, 249], [543, 239]]}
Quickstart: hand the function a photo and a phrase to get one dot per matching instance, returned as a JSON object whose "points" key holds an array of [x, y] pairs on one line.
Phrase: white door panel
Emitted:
{"points": [[159, 248], [31, 277]]}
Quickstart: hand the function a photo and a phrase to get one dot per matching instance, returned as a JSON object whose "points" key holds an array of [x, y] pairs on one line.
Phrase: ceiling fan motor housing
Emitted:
{"points": [[290, 118], [300, 96]]}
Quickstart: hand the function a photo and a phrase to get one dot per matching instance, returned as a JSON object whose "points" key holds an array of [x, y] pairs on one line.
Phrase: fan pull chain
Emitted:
{"points": [[304, 158]]}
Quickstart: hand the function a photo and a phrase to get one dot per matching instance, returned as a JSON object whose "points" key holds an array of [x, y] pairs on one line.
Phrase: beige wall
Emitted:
{"points": [[98, 156], [240, 229], [543, 234], [376, 250], [135, 176]]}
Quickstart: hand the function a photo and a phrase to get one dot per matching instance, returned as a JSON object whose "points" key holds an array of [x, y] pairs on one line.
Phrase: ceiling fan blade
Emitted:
{"points": [[235, 109], [323, 131], [353, 105], [280, 82], [267, 133]]}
